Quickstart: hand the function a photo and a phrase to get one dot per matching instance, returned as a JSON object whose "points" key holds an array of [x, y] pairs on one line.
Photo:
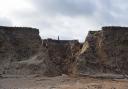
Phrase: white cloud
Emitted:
{"points": [[5, 21], [8, 6], [71, 19]]}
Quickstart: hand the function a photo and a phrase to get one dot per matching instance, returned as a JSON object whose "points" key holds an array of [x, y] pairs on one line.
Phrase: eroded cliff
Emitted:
{"points": [[23, 52], [17, 44], [104, 51], [61, 56]]}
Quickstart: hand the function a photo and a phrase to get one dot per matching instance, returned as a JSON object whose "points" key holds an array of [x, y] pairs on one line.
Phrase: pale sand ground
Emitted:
{"points": [[60, 82]]}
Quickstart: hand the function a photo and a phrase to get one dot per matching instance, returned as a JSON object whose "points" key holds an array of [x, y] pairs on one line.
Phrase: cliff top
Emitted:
{"points": [[60, 41], [114, 28], [7, 28]]}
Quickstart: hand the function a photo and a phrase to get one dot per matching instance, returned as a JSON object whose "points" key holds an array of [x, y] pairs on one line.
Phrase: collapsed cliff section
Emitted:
{"points": [[61, 55], [104, 51], [55, 57]]}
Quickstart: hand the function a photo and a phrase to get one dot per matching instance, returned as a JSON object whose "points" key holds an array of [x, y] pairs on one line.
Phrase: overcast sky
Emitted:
{"points": [[70, 19]]}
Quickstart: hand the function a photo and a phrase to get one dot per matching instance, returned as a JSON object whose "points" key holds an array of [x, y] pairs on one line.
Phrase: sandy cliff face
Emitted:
{"points": [[23, 52], [55, 57], [17, 44], [61, 56], [104, 51]]}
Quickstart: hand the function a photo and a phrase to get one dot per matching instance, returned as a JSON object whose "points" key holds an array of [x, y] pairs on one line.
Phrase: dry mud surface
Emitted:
{"points": [[60, 82]]}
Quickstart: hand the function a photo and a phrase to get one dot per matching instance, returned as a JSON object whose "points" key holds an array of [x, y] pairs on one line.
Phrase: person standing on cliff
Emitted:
{"points": [[58, 38]]}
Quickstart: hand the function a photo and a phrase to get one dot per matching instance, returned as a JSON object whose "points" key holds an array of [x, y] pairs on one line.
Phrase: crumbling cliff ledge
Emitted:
{"points": [[104, 51]]}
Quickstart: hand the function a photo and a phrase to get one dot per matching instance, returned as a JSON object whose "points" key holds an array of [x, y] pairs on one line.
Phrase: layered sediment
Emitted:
{"points": [[23, 52]]}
